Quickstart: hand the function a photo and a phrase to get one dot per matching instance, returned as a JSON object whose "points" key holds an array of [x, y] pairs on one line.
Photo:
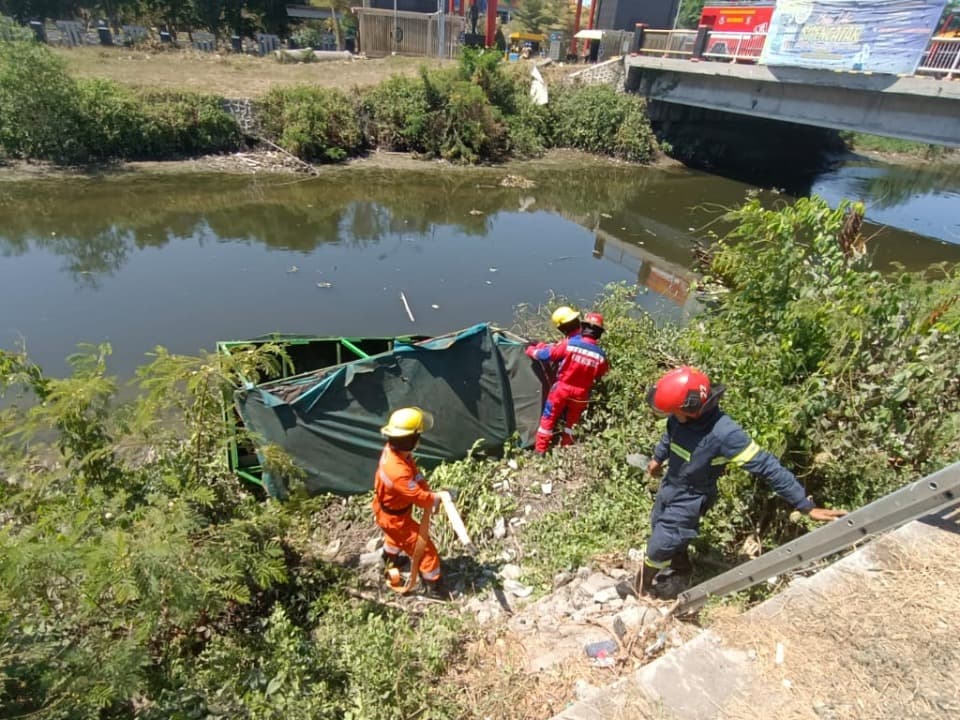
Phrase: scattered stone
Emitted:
{"points": [[517, 181], [373, 543], [562, 578], [332, 548], [596, 582], [606, 595], [510, 572], [370, 559], [517, 588]]}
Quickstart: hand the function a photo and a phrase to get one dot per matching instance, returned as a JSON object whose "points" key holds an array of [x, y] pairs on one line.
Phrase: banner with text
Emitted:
{"points": [[881, 36]]}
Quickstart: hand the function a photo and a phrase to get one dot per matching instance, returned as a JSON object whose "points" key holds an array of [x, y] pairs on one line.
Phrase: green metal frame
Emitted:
{"points": [[347, 350]]}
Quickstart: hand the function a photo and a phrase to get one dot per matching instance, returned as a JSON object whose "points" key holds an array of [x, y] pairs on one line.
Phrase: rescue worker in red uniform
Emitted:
{"points": [[700, 442], [581, 363], [398, 486]]}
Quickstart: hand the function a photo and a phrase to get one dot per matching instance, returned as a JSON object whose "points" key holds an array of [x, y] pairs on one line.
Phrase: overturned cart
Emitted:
{"points": [[477, 382]]}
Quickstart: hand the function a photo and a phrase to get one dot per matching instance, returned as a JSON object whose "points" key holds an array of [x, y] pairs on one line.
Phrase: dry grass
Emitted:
{"points": [[497, 686], [874, 644], [229, 75]]}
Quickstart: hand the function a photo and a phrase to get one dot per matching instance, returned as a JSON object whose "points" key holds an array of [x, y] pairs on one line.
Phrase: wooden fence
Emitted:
{"points": [[384, 32]]}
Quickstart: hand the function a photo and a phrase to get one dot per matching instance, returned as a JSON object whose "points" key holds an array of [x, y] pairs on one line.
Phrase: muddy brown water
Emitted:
{"points": [[182, 261]]}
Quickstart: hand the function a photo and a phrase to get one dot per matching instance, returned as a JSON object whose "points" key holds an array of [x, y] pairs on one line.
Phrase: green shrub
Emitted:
{"points": [[529, 129], [312, 123], [38, 105], [464, 127], [397, 115], [12, 31], [181, 124], [597, 119], [111, 120]]}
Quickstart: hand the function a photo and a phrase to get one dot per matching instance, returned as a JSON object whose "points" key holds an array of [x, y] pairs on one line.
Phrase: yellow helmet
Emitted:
{"points": [[563, 315], [407, 421]]}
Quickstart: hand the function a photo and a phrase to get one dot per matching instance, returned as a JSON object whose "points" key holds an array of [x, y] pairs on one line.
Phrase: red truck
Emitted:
{"points": [[737, 29]]}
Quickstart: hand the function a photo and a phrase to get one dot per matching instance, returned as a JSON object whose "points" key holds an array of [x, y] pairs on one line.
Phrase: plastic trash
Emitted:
{"points": [[601, 649]]}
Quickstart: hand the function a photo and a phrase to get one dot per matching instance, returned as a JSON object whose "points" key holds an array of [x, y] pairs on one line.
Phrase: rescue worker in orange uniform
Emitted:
{"points": [[581, 363], [398, 486], [700, 442]]}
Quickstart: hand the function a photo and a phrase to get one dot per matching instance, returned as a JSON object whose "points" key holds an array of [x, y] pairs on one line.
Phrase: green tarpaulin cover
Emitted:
{"points": [[477, 382]]}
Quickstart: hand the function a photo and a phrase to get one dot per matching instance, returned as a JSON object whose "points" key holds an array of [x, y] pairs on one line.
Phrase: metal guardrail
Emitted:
{"points": [[734, 46], [924, 497], [668, 43], [941, 58]]}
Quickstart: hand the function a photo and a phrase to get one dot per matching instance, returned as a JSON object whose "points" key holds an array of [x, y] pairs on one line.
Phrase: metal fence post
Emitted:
{"points": [[700, 42], [637, 37]]}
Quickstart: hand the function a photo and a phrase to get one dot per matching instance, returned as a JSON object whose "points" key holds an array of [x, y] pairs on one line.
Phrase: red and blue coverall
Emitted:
{"points": [[581, 363]]}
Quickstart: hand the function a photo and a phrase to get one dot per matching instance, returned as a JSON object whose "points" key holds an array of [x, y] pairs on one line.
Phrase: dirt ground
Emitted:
{"points": [[229, 75]]}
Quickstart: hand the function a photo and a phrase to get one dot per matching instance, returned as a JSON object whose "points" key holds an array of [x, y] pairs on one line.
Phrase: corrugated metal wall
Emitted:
{"points": [[383, 32]]}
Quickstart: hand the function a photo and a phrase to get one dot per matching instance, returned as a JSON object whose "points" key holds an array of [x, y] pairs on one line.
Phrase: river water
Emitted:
{"points": [[185, 260]]}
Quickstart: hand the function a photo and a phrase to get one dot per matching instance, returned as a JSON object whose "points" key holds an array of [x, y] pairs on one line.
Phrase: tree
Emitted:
{"points": [[537, 16]]}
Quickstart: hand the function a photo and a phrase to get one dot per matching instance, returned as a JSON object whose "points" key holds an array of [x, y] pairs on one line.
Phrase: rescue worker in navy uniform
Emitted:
{"points": [[581, 363], [699, 443]]}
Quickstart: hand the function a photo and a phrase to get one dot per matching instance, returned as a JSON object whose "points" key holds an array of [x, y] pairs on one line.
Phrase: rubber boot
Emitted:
{"points": [[394, 560]]}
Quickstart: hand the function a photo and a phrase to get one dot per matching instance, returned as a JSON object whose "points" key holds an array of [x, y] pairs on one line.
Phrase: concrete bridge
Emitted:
{"points": [[921, 109]]}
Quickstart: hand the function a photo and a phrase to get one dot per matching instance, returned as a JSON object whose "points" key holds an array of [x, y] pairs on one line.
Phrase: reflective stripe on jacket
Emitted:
{"points": [[582, 361], [699, 451], [398, 485]]}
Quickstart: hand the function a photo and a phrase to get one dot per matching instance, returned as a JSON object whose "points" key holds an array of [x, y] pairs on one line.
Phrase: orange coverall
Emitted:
{"points": [[398, 486]]}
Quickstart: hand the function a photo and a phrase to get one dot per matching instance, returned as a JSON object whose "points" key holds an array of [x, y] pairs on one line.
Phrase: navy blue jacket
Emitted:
{"points": [[699, 451]]}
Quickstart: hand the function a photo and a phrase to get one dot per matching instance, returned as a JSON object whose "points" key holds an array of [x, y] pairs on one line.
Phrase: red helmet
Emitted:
{"points": [[595, 319], [684, 389]]}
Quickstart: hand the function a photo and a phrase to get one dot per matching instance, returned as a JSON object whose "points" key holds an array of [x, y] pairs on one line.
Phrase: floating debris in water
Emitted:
{"points": [[606, 215], [517, 181], [435, 307], [492, 269], [324, 285], [293, 268], [476, 212]]}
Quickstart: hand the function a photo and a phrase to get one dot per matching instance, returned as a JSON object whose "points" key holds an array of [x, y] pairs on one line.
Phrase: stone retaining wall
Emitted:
{"points": [[610, 73]]}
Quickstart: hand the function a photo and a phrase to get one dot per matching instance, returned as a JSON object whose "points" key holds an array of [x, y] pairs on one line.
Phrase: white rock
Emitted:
{"points": [[584, 690], [373, 544], [332, 548], [606, 595], [510, 572], [370, 558], [517, 588], [596, 582]]}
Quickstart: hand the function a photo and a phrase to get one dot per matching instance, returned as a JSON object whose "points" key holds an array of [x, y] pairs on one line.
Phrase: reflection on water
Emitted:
{"points": [[924, 199], [185, 261]]}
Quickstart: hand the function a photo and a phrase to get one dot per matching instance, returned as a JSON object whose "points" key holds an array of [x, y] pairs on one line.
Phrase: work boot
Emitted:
{"points": [[680, 562], [394, 560], [669, 585], [436, 589]]}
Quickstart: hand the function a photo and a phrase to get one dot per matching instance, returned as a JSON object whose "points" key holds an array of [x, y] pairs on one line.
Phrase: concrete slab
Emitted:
{"points": [[908, 570]]}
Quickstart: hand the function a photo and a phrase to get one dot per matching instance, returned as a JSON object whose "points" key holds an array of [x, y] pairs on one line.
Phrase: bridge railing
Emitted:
{"points": [[668, 43], [734, 46], [942, 58]]}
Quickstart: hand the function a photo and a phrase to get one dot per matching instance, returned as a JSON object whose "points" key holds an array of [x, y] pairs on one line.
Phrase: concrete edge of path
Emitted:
{"points": [[694, 681]]}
